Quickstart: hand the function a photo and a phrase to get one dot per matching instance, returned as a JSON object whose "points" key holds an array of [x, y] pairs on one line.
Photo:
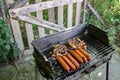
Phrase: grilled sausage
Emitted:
{"points": [[81, 55], [72, 59], [85, 53], [76, 56], [72, 66], [63, 63]]}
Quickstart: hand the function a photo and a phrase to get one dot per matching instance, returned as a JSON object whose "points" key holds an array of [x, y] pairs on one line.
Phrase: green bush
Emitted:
{"points": [[8, 49], [113, 20], [110, 12]]}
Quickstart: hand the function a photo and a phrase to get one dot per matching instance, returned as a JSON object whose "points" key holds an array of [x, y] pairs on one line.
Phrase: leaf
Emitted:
{"points": [[15, 52], [7, 47], [111, 31], [1, 49], [1, 42], [5, 57]]}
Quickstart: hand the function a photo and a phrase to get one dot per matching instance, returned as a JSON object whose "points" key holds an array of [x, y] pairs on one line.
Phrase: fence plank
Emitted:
{"points": [[51, 18], [42, 23], [78, 13], [70, 11], [16, 29], [84, 10], [41, 6], [60, 15], [17, 33], [29, 32], [41, 30], [96, 14], [2, 10], [9, 3], [19, 3]]}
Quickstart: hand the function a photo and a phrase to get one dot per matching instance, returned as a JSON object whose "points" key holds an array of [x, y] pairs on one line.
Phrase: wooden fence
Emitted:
{"points": [[42, 18]]}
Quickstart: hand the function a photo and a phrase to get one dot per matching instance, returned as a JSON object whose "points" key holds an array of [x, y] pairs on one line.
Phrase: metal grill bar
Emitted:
{"points": [[97, 49]]}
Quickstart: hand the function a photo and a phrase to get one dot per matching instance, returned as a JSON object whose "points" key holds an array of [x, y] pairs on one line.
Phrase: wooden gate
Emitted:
{"points": [[42, 18]]}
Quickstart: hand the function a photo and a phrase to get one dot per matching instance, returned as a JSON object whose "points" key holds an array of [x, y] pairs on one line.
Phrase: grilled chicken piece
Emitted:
{"points": [[77, 43], [79, 46]]}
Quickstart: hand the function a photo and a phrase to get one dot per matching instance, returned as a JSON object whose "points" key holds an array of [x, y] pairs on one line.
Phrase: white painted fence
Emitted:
{"points": [[56, 9]]}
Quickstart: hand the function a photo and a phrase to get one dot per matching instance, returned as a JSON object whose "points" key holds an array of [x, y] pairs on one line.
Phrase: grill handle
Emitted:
{"points": [[92, 68]]}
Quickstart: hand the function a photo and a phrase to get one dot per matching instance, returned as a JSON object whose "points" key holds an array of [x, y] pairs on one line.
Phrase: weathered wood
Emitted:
{"points": [[6, 19], [2, 7], [41, 30], [78, 13], [9, 3], [60, 15], [28, 52], [70, 12], [42, 23], [96, 14], [51, 18], [16, 29], [84, 11], [0, 13], [17, 33], [18, 4], [29, 32], [41, 6]]}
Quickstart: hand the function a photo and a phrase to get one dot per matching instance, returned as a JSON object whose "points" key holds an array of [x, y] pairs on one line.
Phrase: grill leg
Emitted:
{"points": [[36, 71], [107, 70]]}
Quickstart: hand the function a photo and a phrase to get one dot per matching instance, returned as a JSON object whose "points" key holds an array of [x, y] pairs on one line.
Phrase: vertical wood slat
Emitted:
{"points": [[70, 11], [78, 13], [60, 15], [17, 33], [29, 32], [16, 29], [41, 30], [51, 17], [84, 10], [9, 2]]}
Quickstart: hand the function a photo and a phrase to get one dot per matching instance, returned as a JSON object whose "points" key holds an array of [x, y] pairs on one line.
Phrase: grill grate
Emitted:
{"points": [[97, 50]]}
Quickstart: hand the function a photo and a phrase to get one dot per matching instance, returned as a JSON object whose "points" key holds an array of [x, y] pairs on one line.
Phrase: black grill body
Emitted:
{"points": [[97, 45]]}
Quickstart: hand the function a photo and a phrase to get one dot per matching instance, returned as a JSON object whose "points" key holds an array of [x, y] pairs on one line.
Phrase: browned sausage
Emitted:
{"points": [[72, 66], [63, 63], [85, 53], [72, 59], [76, 56], [81, 55]]}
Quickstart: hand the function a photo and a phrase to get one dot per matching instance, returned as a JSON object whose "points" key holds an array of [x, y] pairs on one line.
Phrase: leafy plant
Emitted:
{"points": [[111, 33], [113, 20], [8, 49], [110, 12]]}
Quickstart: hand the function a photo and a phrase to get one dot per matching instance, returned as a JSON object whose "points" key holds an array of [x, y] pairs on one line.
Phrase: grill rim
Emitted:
{"points": [[38, 50]]}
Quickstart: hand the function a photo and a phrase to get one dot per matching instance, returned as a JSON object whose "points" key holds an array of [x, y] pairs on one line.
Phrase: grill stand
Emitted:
{"points": [[36, 71], [107, 70]]}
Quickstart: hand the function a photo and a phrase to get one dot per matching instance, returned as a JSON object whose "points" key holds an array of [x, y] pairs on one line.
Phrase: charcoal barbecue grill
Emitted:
{"points": [[97, 45]]}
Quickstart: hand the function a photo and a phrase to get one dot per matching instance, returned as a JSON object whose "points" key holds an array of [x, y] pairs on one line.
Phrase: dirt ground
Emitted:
{"points": [[27, 71]]}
